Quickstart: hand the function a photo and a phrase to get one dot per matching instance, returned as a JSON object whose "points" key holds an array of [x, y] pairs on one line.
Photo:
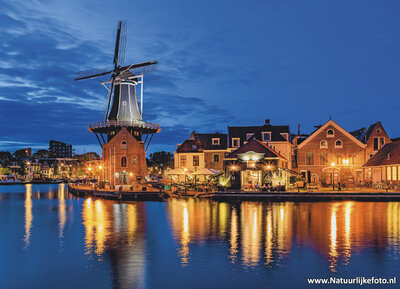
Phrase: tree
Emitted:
{"points": [[21, 154], [161, 159], [41, 154], [5, 171], [5, 158]]}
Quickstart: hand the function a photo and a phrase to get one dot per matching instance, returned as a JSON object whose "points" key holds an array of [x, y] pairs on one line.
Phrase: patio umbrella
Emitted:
{"points": [[205, 172], [178, 171]]}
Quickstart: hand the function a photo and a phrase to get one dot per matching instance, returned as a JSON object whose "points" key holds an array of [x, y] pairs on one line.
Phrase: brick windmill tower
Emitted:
{"points": [[123, 135]]}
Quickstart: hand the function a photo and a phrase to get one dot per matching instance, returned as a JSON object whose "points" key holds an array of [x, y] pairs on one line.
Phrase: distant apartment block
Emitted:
{"points": [[60, 149]]}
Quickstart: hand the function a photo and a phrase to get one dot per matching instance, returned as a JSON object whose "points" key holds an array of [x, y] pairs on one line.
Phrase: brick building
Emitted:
{"points": [[331, 155], [124, 159]]}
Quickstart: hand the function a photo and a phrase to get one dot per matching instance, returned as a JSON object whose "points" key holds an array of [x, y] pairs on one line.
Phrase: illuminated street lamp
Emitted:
{"points": [[333, 181]]}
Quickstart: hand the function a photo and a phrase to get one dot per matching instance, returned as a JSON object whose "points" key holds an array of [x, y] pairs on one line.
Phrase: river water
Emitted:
{"points": [[50, 239]]}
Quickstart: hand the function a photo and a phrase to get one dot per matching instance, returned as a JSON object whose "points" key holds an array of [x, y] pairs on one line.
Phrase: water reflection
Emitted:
{"points": [[117, 231], [264, 233], [28, 215]]}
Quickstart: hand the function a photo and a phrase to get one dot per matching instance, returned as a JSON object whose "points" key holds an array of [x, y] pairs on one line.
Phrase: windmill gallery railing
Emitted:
{"points": [[131, 123]]}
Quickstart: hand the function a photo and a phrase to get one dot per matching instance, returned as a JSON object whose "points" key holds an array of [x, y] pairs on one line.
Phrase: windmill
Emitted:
{"points": [[122, 107]]}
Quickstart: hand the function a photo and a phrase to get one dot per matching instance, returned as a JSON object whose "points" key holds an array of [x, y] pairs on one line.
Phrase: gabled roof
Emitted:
{"points": [[338, 127], [257, 147], [389, 154], [190, 146], [206, 140], [276, 130], [371, 130], [360, 134]]}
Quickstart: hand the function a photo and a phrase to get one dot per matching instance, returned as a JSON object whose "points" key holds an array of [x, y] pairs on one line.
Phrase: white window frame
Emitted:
{"points": [[338, 146], [233, 142], [219, 159], [321, 146], [330, 135], [285, 135], [264, 133], [215, 141], [249, 135]]}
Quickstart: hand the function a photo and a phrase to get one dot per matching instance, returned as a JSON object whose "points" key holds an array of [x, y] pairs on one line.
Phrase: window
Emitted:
{"points": [[216, 158], [123, 162], [266, 136], [330, 133], [378, 131], [323, 144], [310, 159], [196, 161], [389, 173], [338, 144], [182, 161], [249, 135], [352, 160], [339, 159], [134, 160], [285, 135], [123, 145], [394, 174], [378, 143], [323, 159], [215, 141], [236, 142]]}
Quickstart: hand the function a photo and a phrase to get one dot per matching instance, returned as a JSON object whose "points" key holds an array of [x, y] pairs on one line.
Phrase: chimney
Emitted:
{"points": [[267, 121]]}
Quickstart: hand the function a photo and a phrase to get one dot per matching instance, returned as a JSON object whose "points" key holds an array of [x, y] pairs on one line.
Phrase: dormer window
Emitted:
{"points": [[215, 141], [388, 156], [338, 144], [235, 142], [249, 135], [330, 133], [266, 136], [285, 135], [194, 147], [323, 144]]}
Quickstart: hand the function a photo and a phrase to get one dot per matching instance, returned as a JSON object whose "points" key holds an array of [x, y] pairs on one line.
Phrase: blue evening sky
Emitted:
{"points": [[221, 63]]}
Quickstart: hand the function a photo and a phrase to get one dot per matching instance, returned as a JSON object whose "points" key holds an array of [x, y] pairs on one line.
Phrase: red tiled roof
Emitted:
{"points": [[257, 147], [389, 154]]}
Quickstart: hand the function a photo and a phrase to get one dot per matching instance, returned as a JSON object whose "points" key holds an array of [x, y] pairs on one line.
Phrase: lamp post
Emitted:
{"points": [[185, 170], [333, 176]]}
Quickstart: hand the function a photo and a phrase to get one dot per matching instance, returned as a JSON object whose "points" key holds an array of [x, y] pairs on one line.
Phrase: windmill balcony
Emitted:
{"points": [[120, 123]]}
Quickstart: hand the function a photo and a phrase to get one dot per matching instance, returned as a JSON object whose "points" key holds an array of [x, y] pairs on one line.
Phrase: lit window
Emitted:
{"points": [[323, 144], [389, 173], [394, 174], [215, 141], [330, 133], [134, 160], [338, 144], [183, 161]]}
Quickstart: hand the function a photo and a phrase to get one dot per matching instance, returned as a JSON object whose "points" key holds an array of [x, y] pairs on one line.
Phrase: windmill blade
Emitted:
{"points": [[116, 50], [122, 44], [109, 97], [91, 73], [141, 68]]}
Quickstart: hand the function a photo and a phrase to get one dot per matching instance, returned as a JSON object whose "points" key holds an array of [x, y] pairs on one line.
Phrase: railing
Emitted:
{"points": [[133, 123]]}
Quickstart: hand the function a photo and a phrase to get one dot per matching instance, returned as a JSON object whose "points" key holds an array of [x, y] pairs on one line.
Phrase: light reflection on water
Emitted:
{"points": [[136, 238]]}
